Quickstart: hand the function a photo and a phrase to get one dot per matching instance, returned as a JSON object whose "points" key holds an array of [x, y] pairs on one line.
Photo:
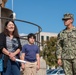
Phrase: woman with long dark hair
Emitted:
{"points": [[10, 47]]}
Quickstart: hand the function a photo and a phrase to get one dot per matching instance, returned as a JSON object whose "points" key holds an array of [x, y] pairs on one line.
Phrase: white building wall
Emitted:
{"points": [[45, 34]]}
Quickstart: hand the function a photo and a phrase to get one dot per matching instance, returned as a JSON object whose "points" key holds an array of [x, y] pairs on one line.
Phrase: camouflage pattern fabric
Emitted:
{"points": [[66, 50], [66, 44], [69, 67]]}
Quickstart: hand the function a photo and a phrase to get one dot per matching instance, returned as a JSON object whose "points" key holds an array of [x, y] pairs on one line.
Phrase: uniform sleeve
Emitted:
{"points": [[59, 46]]}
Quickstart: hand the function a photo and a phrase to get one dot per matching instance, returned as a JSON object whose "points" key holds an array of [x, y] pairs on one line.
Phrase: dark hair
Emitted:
{"points": [[6, 32], [31, 35]]}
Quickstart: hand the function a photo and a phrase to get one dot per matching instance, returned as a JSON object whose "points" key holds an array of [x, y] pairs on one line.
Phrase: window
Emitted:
{"points": [[47, 38], [42, 40]]}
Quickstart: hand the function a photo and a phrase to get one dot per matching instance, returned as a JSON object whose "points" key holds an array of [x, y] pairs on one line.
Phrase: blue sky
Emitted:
{"points": [[46, 13]]}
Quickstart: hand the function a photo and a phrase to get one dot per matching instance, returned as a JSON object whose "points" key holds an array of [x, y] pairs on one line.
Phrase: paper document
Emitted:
{"points": [[22, 61]]}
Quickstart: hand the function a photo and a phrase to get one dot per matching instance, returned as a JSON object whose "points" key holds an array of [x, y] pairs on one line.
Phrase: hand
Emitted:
{"points": [[38, 67], [59, 62], [11, 55], [13, 58], [22, 66]]}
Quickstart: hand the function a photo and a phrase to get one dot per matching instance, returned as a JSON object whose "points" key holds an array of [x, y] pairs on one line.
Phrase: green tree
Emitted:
{"points": [[48, 52]]}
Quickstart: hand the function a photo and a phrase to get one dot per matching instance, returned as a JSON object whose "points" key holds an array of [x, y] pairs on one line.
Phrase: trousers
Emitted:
{"points": [[13, 68], [30, 68], [69, 66]]}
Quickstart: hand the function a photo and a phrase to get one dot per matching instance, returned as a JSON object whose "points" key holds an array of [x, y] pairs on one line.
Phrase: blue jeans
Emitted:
{"points": [[13, 68]]}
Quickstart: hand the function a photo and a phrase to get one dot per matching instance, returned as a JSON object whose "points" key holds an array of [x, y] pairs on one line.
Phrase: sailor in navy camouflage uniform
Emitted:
{"points": [[66, 46]]}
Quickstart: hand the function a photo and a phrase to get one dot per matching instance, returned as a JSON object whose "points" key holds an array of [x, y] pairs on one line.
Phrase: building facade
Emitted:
{"points": [[44, 36]]}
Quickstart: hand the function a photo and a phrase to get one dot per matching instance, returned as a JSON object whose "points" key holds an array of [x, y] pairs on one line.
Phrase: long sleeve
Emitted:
{"points": [[59, 46], [2, 42], [20, 47]]}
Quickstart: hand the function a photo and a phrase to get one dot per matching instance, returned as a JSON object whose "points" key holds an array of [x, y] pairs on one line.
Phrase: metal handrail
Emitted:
{"points": [[39, 28]]}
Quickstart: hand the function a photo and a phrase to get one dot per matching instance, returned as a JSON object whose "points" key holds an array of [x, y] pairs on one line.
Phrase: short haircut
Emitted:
{"points": [[31, 35]]}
